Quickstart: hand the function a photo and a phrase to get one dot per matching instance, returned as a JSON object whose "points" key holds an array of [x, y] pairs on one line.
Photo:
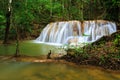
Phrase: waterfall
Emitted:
{"points": [[69, 32]]}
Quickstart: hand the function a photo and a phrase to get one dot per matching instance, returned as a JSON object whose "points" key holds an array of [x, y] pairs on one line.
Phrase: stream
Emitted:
{"points": [[29, 48], [18, 70], [52, 71]]}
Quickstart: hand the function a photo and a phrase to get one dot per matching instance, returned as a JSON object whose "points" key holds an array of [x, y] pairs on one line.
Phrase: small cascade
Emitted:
{"points": [[69, 32]]}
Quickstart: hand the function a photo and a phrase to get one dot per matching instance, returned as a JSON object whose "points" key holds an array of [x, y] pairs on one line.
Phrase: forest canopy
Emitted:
{"points": [[30, 14]]}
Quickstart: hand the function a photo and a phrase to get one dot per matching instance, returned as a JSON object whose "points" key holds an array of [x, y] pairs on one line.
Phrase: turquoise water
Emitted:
{"points": [[29, 48]]}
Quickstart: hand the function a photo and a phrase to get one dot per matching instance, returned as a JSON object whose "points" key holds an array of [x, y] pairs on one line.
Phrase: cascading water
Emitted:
{"points": [[75, 32]]}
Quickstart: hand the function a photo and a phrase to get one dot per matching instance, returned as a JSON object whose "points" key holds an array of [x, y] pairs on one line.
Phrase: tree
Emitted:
{"points": [[41, 12], [112, 9], [17, 53], [8, 19]]}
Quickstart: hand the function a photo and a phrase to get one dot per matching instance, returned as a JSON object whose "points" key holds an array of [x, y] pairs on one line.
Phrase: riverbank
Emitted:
{"points": [[104, 53], [112, 64], [60, 70], [42, 59]]}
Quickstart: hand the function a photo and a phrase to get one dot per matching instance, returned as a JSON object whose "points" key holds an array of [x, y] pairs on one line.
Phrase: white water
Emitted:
{"points": [[75, 32]]}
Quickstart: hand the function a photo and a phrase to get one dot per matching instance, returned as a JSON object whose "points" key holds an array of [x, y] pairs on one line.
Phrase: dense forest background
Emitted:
{"points": [[29, 17]]}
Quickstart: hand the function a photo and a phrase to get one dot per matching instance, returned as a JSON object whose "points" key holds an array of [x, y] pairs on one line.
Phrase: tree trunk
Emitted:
{"points": [[82, 10], [7, 27], [8, 15], [51, 11], [17, 43], [63, 9]]}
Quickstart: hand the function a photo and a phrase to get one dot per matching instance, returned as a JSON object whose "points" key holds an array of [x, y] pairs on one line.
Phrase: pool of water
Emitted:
{"points": [[12, 70], [51, 71], [30, 48]]}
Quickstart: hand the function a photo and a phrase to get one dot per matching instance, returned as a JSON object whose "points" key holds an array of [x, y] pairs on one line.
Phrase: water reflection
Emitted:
{"points": [[52, 71], [28, 48], [12, 70]]}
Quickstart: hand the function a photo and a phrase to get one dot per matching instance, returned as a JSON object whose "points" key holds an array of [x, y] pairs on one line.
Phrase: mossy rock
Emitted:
{"points": [[70, 51]]}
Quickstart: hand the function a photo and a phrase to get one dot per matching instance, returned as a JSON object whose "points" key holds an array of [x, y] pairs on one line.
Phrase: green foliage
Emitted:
{"points": [[117, 40], [2, 26], [102, 59], [78, 51], [26, 13], [2, 19]]}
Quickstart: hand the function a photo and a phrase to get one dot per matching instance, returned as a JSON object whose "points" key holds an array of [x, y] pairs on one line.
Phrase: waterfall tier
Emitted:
{"points": [[76, 31]]}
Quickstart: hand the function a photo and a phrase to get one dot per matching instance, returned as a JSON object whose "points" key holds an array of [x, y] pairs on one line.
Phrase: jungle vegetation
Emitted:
{"points": [[28, 17], [24, 19]]}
